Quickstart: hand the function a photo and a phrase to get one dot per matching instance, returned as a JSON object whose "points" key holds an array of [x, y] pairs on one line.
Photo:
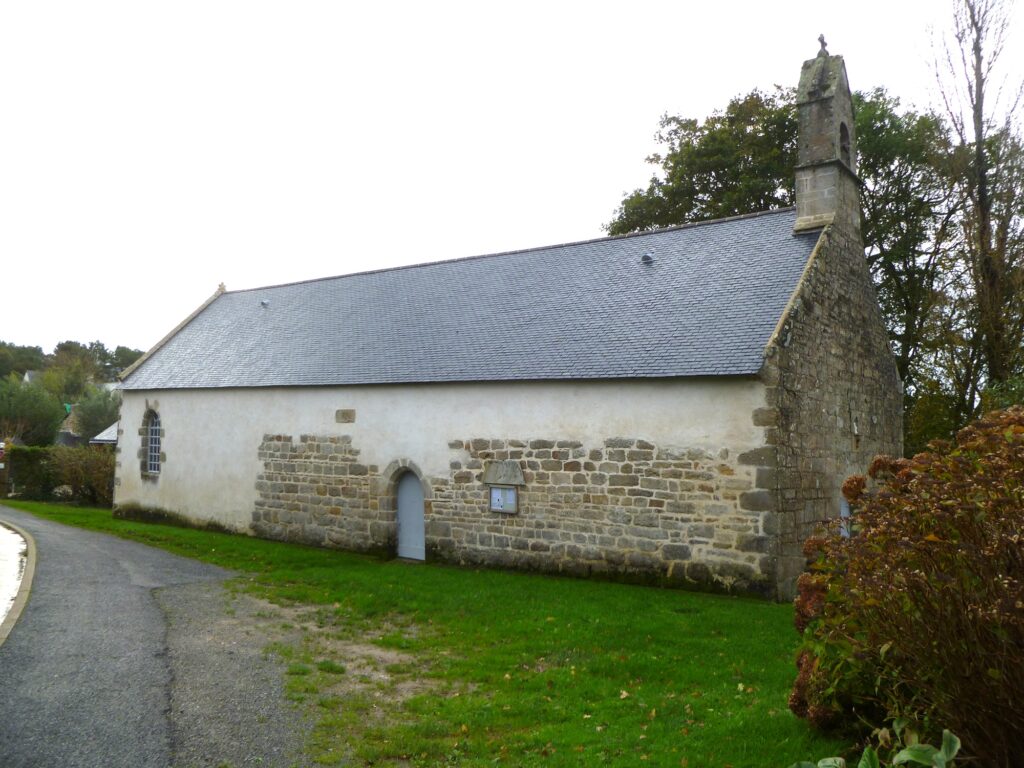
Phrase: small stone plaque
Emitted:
{"points": [[345, 415], [503, 473]]}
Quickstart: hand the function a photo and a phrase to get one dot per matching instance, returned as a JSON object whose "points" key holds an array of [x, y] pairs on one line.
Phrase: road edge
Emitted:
{"points": [[21, 599]]}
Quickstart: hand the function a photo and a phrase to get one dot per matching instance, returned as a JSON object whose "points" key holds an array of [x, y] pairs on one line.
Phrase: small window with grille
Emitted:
{"points": [[152, 443]]}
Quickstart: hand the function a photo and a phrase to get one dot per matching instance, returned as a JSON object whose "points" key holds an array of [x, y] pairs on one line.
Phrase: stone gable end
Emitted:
{"points": [[833, 392]]}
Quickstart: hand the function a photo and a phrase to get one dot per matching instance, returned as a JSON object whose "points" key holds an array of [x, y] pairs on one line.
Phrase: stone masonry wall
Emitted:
{"points": [[316, 491], [834, 394], [626, 507]]}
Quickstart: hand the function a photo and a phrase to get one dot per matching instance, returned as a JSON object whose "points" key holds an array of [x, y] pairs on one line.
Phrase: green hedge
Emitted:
{"points": [[84, 475], [32, 476]]}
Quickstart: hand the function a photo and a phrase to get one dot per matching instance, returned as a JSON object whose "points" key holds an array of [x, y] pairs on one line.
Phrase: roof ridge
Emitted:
{"points": [[606, 238]]}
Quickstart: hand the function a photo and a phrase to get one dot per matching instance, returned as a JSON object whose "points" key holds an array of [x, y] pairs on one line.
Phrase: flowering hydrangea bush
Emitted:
{"points": [[919, 614]]}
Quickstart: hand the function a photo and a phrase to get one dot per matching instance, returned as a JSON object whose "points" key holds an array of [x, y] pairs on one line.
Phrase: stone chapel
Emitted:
{"points": [[678, 406]]}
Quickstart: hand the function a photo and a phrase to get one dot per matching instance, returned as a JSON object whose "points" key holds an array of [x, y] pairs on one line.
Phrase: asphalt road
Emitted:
{"points": [[85, 678]]}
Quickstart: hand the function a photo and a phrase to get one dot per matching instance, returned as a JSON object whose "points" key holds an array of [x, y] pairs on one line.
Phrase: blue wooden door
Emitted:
{"points": [[410, 517]]}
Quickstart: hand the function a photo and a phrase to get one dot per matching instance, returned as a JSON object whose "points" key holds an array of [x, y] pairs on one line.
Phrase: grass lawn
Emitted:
{"points": [[516, 669]]}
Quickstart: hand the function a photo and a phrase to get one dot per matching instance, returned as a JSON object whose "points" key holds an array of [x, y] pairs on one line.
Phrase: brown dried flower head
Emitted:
{"points": [[854, 487]]}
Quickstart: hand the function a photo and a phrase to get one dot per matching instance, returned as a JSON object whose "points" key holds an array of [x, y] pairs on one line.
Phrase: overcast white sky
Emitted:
{"points": [[149, 151]]}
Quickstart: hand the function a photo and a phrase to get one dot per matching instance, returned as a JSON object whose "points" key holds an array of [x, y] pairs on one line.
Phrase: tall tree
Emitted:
{"points": [[96, 410], [734, 162], [993, 182], [72, 368], [16, 359], [28, 413], [910, 209], [121, 358], [104, 360]]}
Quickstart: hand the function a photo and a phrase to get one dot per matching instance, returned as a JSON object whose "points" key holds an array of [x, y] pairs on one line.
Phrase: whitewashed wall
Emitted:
{"points": [[212, 436]]}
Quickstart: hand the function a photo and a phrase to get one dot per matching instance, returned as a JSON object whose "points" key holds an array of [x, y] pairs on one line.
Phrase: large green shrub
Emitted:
{"points": [[96, 411], [31, 475], [919, 615], [84, 475], [28, 412], [87, 471]]}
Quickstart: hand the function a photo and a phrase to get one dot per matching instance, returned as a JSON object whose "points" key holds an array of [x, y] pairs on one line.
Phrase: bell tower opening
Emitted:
{"points": [[826, 181]]}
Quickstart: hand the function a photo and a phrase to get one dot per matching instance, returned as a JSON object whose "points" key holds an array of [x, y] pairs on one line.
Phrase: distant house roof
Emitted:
{"points": [[705, 305], [107, 437]]}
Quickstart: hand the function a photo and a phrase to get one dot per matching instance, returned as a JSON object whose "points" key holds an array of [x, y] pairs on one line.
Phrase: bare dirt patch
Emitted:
{"points": [[385, 676], [254, 683], [227, 698]]}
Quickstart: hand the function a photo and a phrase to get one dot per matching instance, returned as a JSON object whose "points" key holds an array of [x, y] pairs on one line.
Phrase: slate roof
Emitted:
{"points": [[107, 436], [706, 305]]}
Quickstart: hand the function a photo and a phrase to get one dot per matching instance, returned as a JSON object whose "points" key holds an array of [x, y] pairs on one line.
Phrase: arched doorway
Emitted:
{"points": [[411, 538]]}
